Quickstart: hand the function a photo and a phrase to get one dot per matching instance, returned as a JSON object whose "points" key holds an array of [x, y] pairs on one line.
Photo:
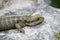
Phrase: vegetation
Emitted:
{"points": [[58, 36], [55, 3]]}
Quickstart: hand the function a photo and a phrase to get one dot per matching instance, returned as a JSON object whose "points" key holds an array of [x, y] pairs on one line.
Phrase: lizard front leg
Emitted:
{"points": [[20, 28]]}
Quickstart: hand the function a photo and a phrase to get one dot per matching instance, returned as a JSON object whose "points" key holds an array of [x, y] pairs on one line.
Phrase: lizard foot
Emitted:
{"points": [[20, 28]]}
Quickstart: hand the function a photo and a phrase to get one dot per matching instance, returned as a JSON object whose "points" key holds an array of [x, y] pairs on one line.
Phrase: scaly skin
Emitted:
{"points": [[8, 22]]}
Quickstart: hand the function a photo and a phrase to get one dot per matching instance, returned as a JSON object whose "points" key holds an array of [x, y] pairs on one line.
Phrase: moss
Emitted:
{"points": [[58, 35]]}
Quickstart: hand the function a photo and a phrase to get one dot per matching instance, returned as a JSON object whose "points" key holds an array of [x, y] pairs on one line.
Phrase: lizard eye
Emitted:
{"points": [[38, 18]]}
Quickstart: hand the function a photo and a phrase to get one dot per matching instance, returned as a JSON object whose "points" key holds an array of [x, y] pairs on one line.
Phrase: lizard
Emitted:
{"points": [[8, 22]]}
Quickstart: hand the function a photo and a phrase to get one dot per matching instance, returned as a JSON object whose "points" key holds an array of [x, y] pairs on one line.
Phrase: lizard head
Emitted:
{"points": [[31, 20], [34, 19], [35, 22]]}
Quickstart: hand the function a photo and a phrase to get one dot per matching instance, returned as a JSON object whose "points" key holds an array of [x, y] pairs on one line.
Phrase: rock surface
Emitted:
{"points": [[44, 31]]}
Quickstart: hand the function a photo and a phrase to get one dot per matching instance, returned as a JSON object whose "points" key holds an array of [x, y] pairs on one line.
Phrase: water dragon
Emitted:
{"points": [[10, 21]]}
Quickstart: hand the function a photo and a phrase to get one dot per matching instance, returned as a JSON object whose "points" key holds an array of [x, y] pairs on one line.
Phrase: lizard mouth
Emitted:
{"points": [[35, 22]]}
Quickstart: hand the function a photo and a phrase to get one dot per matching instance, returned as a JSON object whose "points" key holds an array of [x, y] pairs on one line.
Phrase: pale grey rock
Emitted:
{"points": [[44, 31]]}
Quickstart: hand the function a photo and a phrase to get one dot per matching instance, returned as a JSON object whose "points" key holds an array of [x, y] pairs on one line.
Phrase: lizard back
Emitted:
{"points": [[8, 22]]}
